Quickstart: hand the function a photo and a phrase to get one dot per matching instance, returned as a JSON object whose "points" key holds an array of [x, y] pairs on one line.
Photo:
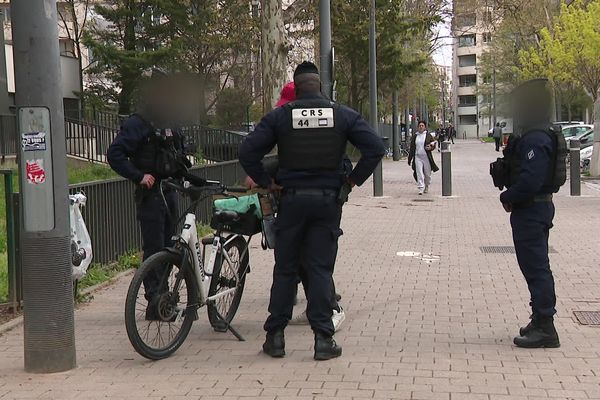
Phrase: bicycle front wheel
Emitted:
{"points": [[229, 273], [161, 306]]}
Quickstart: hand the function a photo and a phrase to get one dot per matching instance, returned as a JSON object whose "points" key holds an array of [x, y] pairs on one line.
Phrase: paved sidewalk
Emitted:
{"points": [[435, 326]]}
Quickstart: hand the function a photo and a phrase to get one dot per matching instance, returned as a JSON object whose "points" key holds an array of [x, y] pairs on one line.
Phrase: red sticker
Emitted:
{"points": [[35, 172]]}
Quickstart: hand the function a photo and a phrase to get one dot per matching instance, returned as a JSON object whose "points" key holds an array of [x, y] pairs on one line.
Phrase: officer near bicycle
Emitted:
{"points": [[311, 135], [533, 168], [148, 149]]}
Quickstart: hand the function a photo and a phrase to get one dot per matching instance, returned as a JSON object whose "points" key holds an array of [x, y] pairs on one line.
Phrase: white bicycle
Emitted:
{"points": [[159, 317]]}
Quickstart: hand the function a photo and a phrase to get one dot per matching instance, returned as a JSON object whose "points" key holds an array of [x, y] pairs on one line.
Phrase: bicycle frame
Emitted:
{"points": [[203, 273]]}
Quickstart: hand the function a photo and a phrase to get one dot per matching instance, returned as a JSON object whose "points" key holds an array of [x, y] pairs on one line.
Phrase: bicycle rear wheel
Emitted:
{"points": [[228, 274], [159, 318]]}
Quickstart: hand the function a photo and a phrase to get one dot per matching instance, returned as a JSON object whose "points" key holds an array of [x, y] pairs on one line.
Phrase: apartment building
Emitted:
{"points": [[70, 70], [471, 34]]}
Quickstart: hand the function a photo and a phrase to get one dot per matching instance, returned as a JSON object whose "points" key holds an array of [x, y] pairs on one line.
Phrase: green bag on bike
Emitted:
{"points": [[241, 205]]}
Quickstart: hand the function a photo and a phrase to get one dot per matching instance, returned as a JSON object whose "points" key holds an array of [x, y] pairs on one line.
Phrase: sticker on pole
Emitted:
{"points": [[33, 141], [35, 171]]}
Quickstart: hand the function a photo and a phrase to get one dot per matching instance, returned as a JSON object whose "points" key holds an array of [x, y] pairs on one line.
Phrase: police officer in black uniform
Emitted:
{"points": [[535, 168], [311, 134], [147, 149]]}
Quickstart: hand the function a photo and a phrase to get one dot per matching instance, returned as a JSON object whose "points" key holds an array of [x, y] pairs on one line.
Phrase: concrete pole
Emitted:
{"points": [[406, 122], [395, 133], [47, 283], [325, 45], [493, 97], [574, 148], [378, 174]]}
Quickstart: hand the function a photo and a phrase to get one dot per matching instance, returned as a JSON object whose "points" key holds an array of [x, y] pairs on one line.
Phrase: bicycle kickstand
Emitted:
{"points": [[229, 327]]}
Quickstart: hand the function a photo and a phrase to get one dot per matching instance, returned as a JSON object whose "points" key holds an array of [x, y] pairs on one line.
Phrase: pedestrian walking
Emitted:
{"points": [[420, 157], [311, 134], [533, 168], [497, 135], [451, 132]]}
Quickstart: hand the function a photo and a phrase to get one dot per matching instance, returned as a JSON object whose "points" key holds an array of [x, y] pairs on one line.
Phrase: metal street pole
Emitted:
{"points": [[378, 174], [45, 235], [325, 47], [395, 133], [494, 95]]}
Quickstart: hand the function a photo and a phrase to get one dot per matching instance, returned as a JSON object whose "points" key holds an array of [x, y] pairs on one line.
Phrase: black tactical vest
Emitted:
{"points": [[162, 153], [312, 141], [557, 175]]}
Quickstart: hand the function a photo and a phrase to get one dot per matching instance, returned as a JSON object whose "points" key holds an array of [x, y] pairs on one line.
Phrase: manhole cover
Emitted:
{"points": [[423, 200], [588, 317], [504, 250]]}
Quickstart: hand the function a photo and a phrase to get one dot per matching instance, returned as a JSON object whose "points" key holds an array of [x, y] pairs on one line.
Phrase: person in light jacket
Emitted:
{"points": [[421, 158]]}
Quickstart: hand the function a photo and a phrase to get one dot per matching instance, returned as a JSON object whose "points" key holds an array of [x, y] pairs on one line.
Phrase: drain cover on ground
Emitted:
{"points": [[503, 250], [588, 317], [423, 200]]}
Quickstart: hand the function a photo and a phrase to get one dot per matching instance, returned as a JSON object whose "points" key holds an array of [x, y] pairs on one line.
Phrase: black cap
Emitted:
{"points": [[306, 68]]}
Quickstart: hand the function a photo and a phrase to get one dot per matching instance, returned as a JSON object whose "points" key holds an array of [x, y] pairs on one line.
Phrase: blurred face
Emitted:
{"points": [[421, 127]]}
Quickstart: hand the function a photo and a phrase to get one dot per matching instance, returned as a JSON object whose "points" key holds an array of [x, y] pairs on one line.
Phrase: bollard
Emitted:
{"points": [[446, 169], [575, 160]]}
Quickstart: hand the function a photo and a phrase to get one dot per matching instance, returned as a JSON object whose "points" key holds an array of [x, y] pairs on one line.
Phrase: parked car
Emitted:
{"points": [[586, 139], [585, 157], [566, 123], [575, 130]]}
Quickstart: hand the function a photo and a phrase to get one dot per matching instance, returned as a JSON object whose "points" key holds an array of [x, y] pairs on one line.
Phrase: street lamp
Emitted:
{"points": [[378, 174]]}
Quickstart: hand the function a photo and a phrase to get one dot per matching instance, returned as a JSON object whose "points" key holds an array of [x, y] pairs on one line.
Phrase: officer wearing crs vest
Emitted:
{"points": [[146, 150], [311, 134], [534, 166]]}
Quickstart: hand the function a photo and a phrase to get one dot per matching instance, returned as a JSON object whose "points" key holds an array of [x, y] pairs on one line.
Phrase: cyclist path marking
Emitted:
{"points": [[429, 315]]}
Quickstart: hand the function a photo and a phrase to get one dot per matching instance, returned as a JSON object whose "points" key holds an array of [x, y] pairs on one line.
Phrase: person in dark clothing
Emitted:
{"points": [[451, 132], [147, 150], [311, 134], [535, 155], [497, 135]]}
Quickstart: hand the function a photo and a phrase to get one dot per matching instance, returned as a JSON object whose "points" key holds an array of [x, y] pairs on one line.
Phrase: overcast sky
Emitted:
{"points": [[443, 55]]}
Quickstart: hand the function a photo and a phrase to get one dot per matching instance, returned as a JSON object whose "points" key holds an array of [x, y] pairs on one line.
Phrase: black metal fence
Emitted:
{"points": [[8, 135], [110, 213], [90, 140]]}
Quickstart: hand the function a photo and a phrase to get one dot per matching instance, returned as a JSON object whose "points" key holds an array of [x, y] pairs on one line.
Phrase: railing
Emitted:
{"points": [[88, 141], [215, 144], [110, 212], [8, 136]]}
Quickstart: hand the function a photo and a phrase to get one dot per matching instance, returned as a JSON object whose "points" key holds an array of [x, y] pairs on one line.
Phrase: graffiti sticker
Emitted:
{"points": [[35, 171], [33, 141]]}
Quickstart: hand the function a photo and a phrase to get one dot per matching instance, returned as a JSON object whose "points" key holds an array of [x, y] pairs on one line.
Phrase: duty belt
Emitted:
{"points": [[542, 198], [310, 192]]}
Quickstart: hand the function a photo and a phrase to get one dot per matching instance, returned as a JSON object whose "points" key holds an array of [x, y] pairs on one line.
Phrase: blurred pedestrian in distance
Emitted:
{"points": [[497, 135]]}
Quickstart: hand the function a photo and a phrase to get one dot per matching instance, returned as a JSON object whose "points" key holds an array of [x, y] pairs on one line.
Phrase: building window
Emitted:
{"points": [[467, 61], [67, 48], [467, 101], [470, 119], [464, 20], [467, 40], [487, 37], [467, 80]]}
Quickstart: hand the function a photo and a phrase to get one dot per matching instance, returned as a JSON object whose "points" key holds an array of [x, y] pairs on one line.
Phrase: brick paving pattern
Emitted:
{"points": [[436, 326]]}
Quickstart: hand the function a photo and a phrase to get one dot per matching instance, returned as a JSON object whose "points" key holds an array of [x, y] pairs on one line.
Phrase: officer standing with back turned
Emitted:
{"points": [[533, 168], [146, 150], [311, 135]]}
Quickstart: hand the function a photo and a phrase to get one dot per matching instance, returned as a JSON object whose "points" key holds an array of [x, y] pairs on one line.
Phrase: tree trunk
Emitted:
{"points": [[595, 166], [274, 52]]}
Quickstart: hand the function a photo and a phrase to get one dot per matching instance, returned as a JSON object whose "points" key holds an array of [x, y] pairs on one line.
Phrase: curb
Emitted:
{"points": [[16, 322]]}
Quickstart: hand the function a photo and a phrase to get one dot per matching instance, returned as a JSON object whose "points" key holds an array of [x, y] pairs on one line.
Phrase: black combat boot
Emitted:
{"points": [[275, 344], [326, 348], [523, 331], [543, 334]]}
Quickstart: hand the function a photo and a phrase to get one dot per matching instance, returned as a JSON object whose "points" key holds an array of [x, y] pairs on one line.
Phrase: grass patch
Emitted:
{"points": [[79, 173], [98, 273], [3, 278], [487, 139]]}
